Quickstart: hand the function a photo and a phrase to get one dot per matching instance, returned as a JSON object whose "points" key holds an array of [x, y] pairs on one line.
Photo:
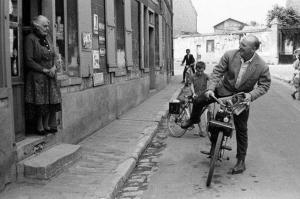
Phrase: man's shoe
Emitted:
{"points": [[182, 81], [187, 124], [239, 167]]}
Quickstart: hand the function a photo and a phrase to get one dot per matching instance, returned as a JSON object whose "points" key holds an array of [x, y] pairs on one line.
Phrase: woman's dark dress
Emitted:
{"points": [[42, 93]]}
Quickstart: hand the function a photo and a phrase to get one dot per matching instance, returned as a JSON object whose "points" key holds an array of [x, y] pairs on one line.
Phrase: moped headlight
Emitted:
{"points": [[226, 119]]}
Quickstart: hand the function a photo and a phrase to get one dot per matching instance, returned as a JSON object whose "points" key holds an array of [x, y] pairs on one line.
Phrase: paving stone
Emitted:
{"points": [[131, 188], [132, 193]]}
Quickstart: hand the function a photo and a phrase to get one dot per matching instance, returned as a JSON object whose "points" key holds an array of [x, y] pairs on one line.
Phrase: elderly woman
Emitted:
{"points": [[42, 94]]}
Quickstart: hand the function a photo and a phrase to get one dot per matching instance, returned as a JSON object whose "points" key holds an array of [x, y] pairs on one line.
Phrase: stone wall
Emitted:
{"points": [[224, 42]]}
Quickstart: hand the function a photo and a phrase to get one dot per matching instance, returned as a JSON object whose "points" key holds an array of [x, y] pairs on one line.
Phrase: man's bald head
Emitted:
{"points": [[253, 40]]}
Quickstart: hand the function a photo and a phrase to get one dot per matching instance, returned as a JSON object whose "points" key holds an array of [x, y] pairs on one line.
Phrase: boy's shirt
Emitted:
{"points": [[200, 83]]}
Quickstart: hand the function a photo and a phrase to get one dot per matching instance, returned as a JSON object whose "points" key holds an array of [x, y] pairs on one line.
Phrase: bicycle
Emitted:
{"points": [[179, 112], [221, 128], [188, 73]]}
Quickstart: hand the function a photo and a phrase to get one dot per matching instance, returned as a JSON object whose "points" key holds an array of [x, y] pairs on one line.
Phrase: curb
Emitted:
{"points": [[124, 169]]}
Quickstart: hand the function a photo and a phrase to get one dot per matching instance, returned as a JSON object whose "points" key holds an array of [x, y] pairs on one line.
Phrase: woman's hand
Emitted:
{"points": [[52, 71]]}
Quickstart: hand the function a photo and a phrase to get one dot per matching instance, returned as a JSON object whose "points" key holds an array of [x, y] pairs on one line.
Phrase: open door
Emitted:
{"points": [[25, 10]]}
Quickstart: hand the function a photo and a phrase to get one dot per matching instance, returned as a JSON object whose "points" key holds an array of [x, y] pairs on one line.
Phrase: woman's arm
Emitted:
{"points": [[29, 56]]}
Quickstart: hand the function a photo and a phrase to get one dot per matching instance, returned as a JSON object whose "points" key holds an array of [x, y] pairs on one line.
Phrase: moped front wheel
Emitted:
{"points": [[174, 122], [214, 158]]}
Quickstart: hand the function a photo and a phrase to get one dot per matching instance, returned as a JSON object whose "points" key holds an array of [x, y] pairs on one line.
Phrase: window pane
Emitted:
{"points": [[72, 34], [13, 10], [60, 33], [120, 25], [13, 38], [135, 22]]}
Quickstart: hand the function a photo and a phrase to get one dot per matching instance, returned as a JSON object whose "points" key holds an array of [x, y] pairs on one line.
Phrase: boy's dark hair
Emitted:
{"points": [[200, 64]]}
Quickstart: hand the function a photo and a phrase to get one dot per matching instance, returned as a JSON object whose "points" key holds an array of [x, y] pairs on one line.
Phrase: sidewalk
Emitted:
{"points": [[108, 156]]}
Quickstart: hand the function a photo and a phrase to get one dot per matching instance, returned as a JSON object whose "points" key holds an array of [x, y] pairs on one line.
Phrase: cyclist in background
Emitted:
{"points": [[189, 62]]}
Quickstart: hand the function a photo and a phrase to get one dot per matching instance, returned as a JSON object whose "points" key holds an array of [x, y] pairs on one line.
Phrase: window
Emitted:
{"points": [[210, 46], [13, 38], [120, 27], [135, 22], [156, 40], [66, 23]]}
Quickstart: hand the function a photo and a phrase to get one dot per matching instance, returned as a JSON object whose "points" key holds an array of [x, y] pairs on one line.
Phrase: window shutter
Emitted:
{"points": [[110, 35], [160, 36], [128, 34], [142, 36], [84, 25]]}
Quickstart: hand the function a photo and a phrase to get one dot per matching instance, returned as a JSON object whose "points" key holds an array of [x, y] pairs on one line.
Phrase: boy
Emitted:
{"points": [[198, 86]]}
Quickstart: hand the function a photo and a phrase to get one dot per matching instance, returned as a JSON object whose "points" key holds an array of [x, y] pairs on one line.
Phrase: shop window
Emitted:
{"points": [[66, 24], [210, 46], [120, 27]]}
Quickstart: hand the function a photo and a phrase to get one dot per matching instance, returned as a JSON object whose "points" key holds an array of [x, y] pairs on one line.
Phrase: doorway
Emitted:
{"points": [[21, 13]]}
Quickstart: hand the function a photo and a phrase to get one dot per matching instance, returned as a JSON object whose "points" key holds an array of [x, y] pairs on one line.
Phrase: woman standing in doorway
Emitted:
{"points": [[42, 94]]}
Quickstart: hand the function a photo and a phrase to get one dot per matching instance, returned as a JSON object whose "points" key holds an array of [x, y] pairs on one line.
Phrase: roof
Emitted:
{"points": [[230, 19]]}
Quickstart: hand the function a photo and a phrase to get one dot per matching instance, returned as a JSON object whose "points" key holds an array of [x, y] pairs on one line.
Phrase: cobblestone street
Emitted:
{"points": [[148, 164]]}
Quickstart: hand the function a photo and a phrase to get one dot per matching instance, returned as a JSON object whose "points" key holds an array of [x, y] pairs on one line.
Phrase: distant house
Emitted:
{"points": [[229, 25], [185, 17]]}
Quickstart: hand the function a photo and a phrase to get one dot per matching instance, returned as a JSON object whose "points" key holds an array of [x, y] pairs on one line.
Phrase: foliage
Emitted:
{"points": [[285, 16]]}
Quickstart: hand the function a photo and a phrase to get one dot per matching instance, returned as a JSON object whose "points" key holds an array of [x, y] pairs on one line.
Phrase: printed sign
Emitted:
{"points": [[87, 40], [96, 61], [98, 79], [96, 24]]}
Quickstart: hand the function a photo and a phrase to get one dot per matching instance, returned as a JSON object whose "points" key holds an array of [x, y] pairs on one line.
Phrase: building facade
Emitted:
{"points": [[229, 25], [185, 17], [113, 52]]}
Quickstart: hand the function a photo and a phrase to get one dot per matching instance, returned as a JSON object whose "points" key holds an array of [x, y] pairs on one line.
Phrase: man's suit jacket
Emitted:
{"points": [[224, 76], [188, 60]]}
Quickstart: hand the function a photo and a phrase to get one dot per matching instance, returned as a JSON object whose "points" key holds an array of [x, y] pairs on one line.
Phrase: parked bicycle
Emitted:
{"points": [[179, 112], [221, 128]]}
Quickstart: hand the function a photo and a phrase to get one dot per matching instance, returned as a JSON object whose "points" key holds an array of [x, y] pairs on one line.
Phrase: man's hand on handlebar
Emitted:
{"points": [[247, 97], [209, 94]]}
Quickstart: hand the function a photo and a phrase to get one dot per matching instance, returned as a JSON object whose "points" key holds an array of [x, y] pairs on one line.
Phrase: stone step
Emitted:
{"points": [[34, 144], [43, 166]]}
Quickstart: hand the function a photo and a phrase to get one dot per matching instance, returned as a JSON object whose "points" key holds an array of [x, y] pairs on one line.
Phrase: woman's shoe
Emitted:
{"points": [[42, 132], [53, 130]]}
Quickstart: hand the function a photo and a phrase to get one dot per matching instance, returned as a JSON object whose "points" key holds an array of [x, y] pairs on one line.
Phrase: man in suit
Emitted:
{"points": [[189, 61], [238, 71]]}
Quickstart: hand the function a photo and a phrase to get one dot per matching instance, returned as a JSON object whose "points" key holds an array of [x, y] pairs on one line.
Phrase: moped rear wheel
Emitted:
{"points": [[174, 122], [214, 158]]}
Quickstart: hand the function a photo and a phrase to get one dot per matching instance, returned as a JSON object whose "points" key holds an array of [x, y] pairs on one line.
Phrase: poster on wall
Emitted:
{"points": [[102, 51], [95, 24], [98, 79], [101, 40], [96, 61], [101, 26], [87, 40]]}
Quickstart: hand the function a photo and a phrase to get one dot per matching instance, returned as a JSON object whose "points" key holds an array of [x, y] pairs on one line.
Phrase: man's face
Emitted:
{"points": [[187, 52], [246, 48], [199, 71]]}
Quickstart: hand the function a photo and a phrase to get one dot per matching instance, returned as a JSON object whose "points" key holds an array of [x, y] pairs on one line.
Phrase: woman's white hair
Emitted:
{"points": [[36, 21]]}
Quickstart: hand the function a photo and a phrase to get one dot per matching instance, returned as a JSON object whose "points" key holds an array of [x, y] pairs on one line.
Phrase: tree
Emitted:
{"points": [[285, 16]]}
